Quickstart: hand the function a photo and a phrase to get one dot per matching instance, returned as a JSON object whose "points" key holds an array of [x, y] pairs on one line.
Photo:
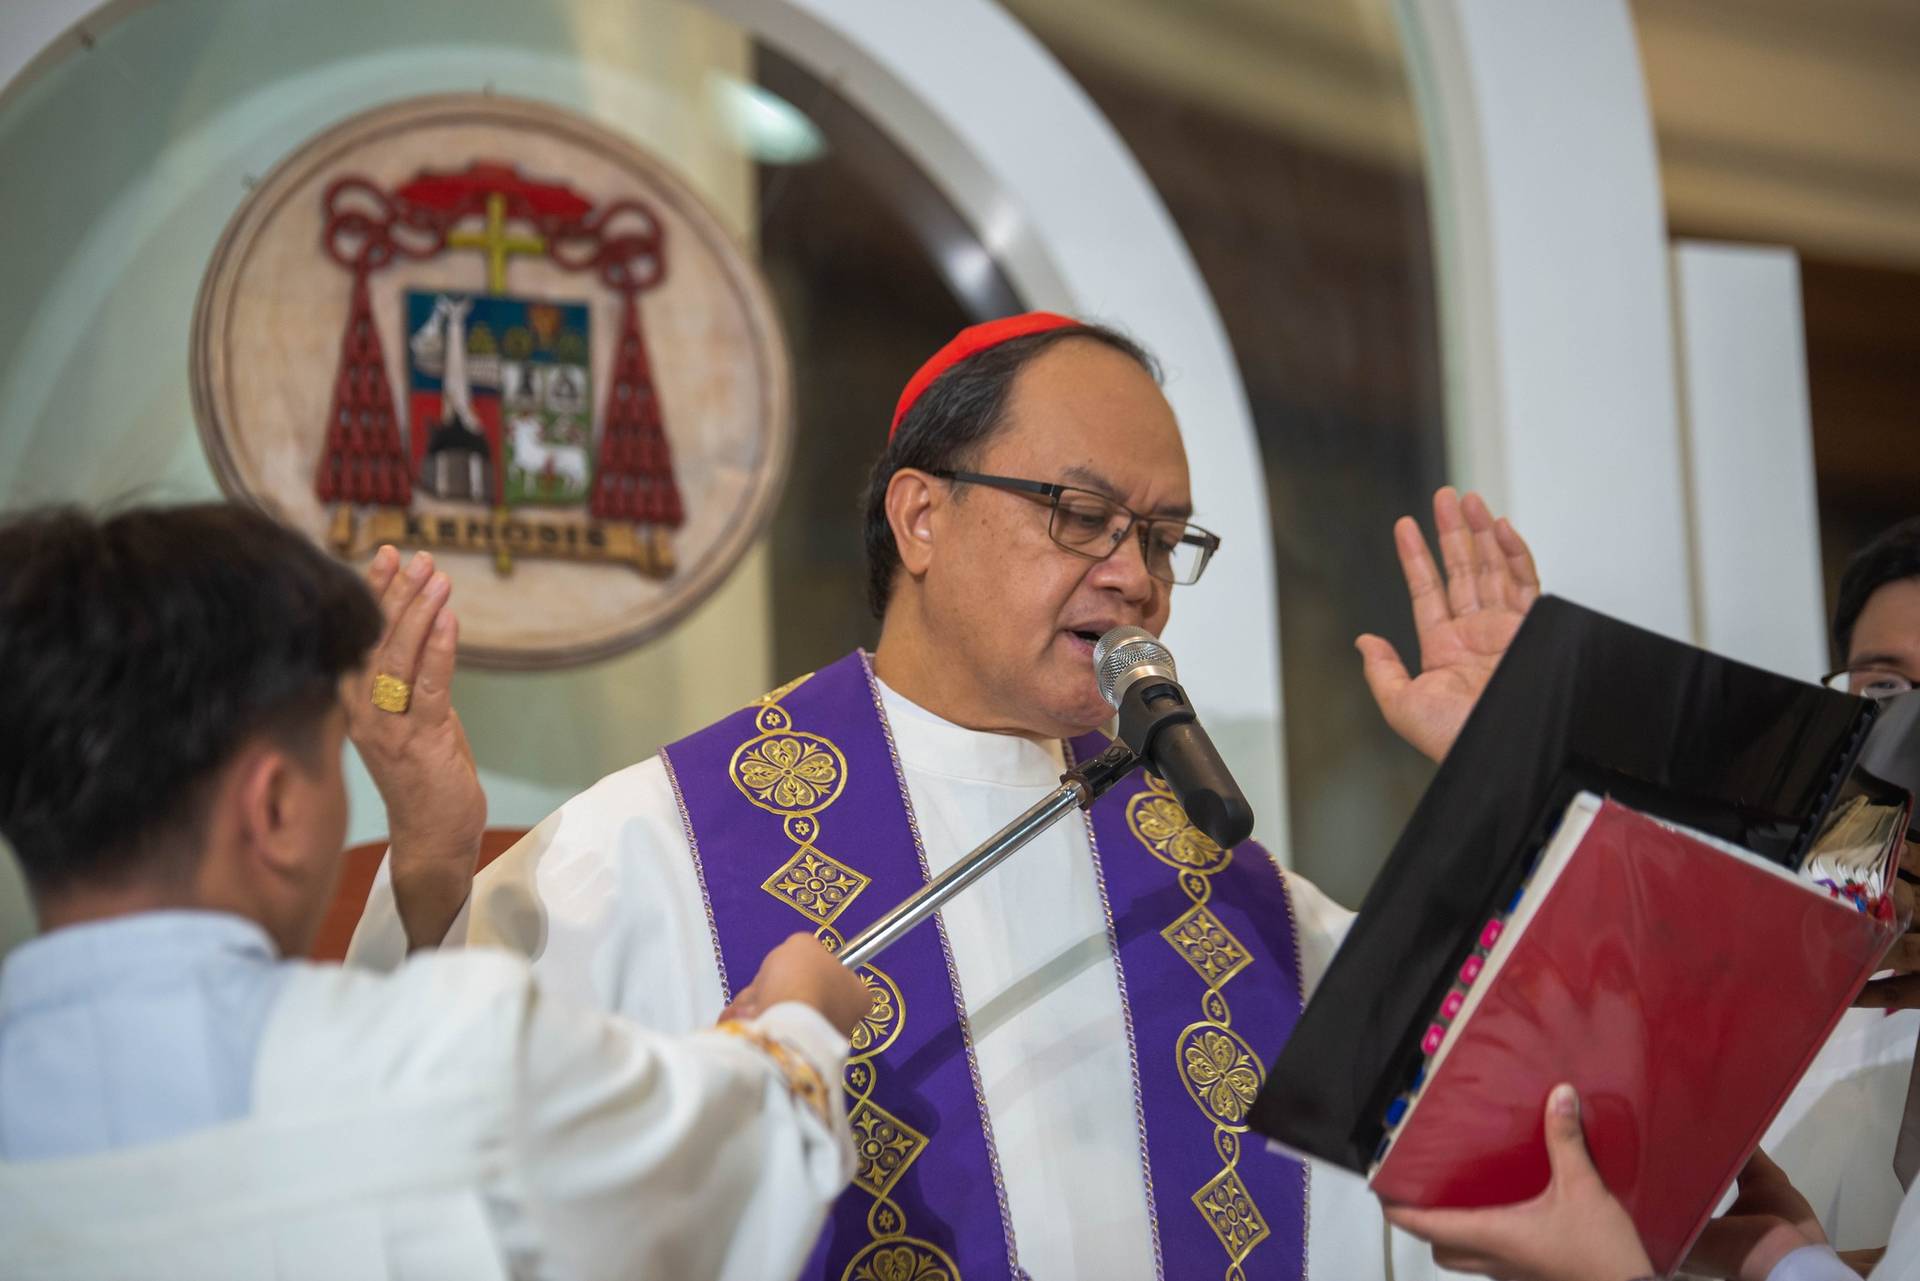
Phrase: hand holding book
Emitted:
{"points": [[1576, 1230], [1573, 1231], [1767, 1221], [1527, 931]]}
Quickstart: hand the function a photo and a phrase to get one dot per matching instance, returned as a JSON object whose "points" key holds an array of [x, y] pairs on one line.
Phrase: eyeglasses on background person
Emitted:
{"points": [[1868, 682]]}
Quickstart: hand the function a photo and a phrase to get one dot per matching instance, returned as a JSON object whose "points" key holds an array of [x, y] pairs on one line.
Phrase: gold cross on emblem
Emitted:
{"points": [[496, 243]]}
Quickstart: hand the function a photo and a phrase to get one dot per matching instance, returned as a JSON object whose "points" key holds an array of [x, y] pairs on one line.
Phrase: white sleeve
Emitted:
{"points": [[710, 1154], [1812, 1263], [1902, 1260], [1411, 1259], [602, 897], [379, 941], [1320, 926]]}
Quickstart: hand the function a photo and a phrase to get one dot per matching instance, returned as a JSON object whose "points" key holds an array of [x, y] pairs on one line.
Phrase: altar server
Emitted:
{"points": [[178, 1099]]}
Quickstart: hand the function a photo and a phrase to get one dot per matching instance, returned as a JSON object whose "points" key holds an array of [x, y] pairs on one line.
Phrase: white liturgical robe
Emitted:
{"points": [[176, 1103], [604, 897], [1901, 1262], [1835, 1135]]}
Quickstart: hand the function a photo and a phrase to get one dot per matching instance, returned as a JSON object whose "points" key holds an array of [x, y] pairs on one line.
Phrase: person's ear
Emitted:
{"points": [[272, 812], [913, 498]]}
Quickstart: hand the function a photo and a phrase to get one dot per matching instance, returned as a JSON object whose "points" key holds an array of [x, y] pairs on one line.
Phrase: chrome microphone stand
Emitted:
{"points": [[1079, 788]]}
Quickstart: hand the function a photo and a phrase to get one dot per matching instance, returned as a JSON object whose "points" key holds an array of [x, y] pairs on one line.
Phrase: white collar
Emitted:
{"points": [[931, 744], [138, 949]]}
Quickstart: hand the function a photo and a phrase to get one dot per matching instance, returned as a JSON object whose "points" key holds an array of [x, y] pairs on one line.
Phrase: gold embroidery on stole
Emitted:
{"points": [[803, 1083], [1220, 1070], [795, 774]]}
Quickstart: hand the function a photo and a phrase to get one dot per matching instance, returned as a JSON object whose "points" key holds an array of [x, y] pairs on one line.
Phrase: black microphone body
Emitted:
{"points": [[1157, 721]]}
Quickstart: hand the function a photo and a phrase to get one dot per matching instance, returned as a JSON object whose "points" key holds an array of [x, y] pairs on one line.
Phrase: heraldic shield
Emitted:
{"points": [[499, 388], [512, 335]]}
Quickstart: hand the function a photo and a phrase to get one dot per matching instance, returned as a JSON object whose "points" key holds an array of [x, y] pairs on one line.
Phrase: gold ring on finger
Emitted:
{"points": [[391, 694]]}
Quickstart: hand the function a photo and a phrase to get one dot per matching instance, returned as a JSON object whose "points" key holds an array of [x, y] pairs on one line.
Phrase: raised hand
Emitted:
{"points": [[400, 717], [1464, 622], [1573, 1231]]}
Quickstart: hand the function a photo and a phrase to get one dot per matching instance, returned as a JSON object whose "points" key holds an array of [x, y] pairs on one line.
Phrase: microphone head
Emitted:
{"points": [[1126, 654]]}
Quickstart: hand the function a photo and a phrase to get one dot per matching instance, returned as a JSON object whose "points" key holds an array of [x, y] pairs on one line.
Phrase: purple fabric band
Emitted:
{"points": [[800, 821], [1211, 975]]}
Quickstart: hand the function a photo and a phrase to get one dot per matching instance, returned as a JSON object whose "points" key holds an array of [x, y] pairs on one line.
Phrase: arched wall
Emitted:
{"points": [[1073, 222], [1541, 163], [1552, 243]]}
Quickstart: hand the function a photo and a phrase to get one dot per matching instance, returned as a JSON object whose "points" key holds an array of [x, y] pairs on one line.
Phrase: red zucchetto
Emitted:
{"points": [[969, 342]]}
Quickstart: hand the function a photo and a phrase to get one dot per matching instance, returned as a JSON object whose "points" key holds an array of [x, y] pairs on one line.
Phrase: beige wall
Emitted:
{"points": [[1789, 121]]}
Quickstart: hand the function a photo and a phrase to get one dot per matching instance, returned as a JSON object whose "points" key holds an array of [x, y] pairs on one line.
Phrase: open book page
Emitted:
{"points": [[1856, 851], [1854, 859]]}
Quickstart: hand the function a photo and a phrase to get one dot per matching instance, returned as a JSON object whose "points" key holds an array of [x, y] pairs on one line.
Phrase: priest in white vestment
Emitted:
{"points": [[1033, 496], [179, 1099]]}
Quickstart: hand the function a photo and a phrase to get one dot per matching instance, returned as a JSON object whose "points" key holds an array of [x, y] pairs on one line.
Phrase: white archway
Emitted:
{"points": [[1549, 232], [1074, 224], [1077, 226]]}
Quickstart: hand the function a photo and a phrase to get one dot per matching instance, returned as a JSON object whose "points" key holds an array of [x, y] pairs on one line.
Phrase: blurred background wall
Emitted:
{"points": [[1291, 143], [125, 160], [1792, 124]]}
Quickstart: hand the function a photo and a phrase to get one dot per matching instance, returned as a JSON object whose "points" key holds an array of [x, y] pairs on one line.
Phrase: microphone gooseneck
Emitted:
{"points": [[1136, 675]]}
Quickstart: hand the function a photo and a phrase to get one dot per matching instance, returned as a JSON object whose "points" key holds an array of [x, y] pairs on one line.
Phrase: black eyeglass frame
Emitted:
{"points": [[1829, 679], [1207, 541]]}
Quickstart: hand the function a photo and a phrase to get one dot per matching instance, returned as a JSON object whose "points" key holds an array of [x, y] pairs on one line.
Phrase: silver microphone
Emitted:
{"points": [[1137, 676], [1128, 654]]}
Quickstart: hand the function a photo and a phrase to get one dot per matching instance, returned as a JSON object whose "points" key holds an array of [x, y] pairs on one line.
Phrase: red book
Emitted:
{"points": [[1681, 983], [1669, 951]]}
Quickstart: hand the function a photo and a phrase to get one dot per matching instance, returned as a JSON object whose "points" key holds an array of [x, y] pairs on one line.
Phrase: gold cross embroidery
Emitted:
{"points": [[496, 243]]}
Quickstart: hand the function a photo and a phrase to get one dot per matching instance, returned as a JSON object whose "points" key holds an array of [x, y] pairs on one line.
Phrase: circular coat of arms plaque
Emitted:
{"points": [[490, 328]]}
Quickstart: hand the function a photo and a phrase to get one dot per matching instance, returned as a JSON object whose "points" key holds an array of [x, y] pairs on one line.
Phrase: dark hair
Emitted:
{"points": [[952, 421], [1892, 556], [137, 653]]}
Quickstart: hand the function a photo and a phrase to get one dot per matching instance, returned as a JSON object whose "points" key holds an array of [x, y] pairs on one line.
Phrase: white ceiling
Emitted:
{"points": [[1795, 121]]}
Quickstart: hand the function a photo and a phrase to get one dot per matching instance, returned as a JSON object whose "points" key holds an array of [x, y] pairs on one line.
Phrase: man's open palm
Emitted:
{"points": [[1464, 621]]}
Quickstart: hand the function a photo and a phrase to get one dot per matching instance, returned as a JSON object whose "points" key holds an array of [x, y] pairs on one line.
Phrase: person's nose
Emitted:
{"points": [[1125, 571]]}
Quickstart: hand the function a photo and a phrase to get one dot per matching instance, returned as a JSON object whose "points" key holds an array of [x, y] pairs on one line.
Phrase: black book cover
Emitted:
{"points": [[1581, 701]]}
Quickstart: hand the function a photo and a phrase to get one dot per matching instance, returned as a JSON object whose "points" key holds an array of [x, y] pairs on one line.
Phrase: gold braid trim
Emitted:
{"points": [[803, 1079]]}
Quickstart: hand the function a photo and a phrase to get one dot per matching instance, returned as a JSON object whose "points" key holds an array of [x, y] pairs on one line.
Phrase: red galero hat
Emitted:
{"points": [[970, 342]]}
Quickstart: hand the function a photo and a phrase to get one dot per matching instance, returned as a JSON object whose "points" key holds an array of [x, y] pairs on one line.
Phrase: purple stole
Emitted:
{"points": [[798, 817]]}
